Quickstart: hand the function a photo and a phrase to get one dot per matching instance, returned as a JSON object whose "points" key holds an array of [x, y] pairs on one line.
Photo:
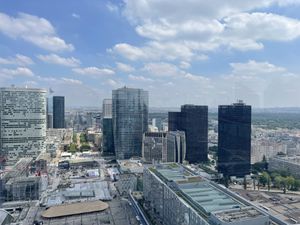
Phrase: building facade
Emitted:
{"points": [[107, 108], [178, 196], [285, 163], [176, 147], [234, 139], [49, 107], [58, 112], [130, 121], [108, 148], [154, 146], [193, 120], [22, 122]]}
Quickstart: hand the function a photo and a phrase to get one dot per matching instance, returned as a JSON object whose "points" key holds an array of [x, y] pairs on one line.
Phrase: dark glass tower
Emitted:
{"points": [[108, 148], [193, 121], [58, 112], [130, 121], [234, 139]]}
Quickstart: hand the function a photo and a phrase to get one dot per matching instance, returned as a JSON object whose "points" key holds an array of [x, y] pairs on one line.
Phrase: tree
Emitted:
{"points": [[264, 178], [296, 185], [284, 184], [290, 181], [277, 181]]}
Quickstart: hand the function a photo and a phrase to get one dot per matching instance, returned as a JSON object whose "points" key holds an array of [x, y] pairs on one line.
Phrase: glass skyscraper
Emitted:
{"points": [[130, 121], [234, 139], [58, 112], [108, 148], [193, 120]]}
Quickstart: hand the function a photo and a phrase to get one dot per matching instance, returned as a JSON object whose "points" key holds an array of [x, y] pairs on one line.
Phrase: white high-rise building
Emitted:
{"points": [[22, 122]]}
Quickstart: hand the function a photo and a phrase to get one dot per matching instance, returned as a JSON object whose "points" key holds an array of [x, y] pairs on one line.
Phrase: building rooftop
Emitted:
{"points": [[205, 196], [237, 215], [289, 159], [208, 197], [74, 209]]}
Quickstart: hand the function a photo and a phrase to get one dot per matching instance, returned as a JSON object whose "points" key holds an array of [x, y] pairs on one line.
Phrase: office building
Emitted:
{"points": [[193, 120], [130, 121], [107, 108], [22, 122], [108, 137], [108, 148], [164, 147], [49, 109], [178, 196], [176, 147], [285, 163], [58, 112], [234, 139], [154, 146]]}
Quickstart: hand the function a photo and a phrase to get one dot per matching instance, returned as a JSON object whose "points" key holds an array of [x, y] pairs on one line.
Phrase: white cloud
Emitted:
{"points": [[93, 71], [55, 59], [184, 65], [187, 31], [20, 71], [253, 67], [243, 30], [170, 71], [175, 11], [161, 69], [113, 83], [19, 59], [71, 81], [156, 51], [112, 7], [128, 51], [76, 16], [33, 29], [139, 78], [124, 67]]}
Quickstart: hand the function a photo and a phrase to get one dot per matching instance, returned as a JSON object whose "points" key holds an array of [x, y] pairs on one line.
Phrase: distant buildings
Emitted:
{"points": [[58, 112], [284, 163], [130, 121], [234, 139], [193, 120], [22, 122]]}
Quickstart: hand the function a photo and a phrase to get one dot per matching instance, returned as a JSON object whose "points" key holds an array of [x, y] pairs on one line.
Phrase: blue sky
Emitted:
{"points": [[193, 51]]}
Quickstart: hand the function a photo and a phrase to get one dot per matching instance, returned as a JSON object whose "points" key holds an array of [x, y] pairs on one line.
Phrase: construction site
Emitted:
{"points": [[41, 192], [284, 206]]}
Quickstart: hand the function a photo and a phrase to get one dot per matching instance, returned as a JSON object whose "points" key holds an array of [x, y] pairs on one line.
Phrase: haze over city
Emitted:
{"points": [[201, 52], [149, 112]]}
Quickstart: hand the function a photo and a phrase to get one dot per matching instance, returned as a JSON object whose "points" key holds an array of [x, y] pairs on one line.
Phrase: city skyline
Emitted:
{"points": [[207, 53]]}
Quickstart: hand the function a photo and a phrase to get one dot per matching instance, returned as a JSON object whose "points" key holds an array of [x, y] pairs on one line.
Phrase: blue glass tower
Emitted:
{"points": [[130, 121], [58, 112]]}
